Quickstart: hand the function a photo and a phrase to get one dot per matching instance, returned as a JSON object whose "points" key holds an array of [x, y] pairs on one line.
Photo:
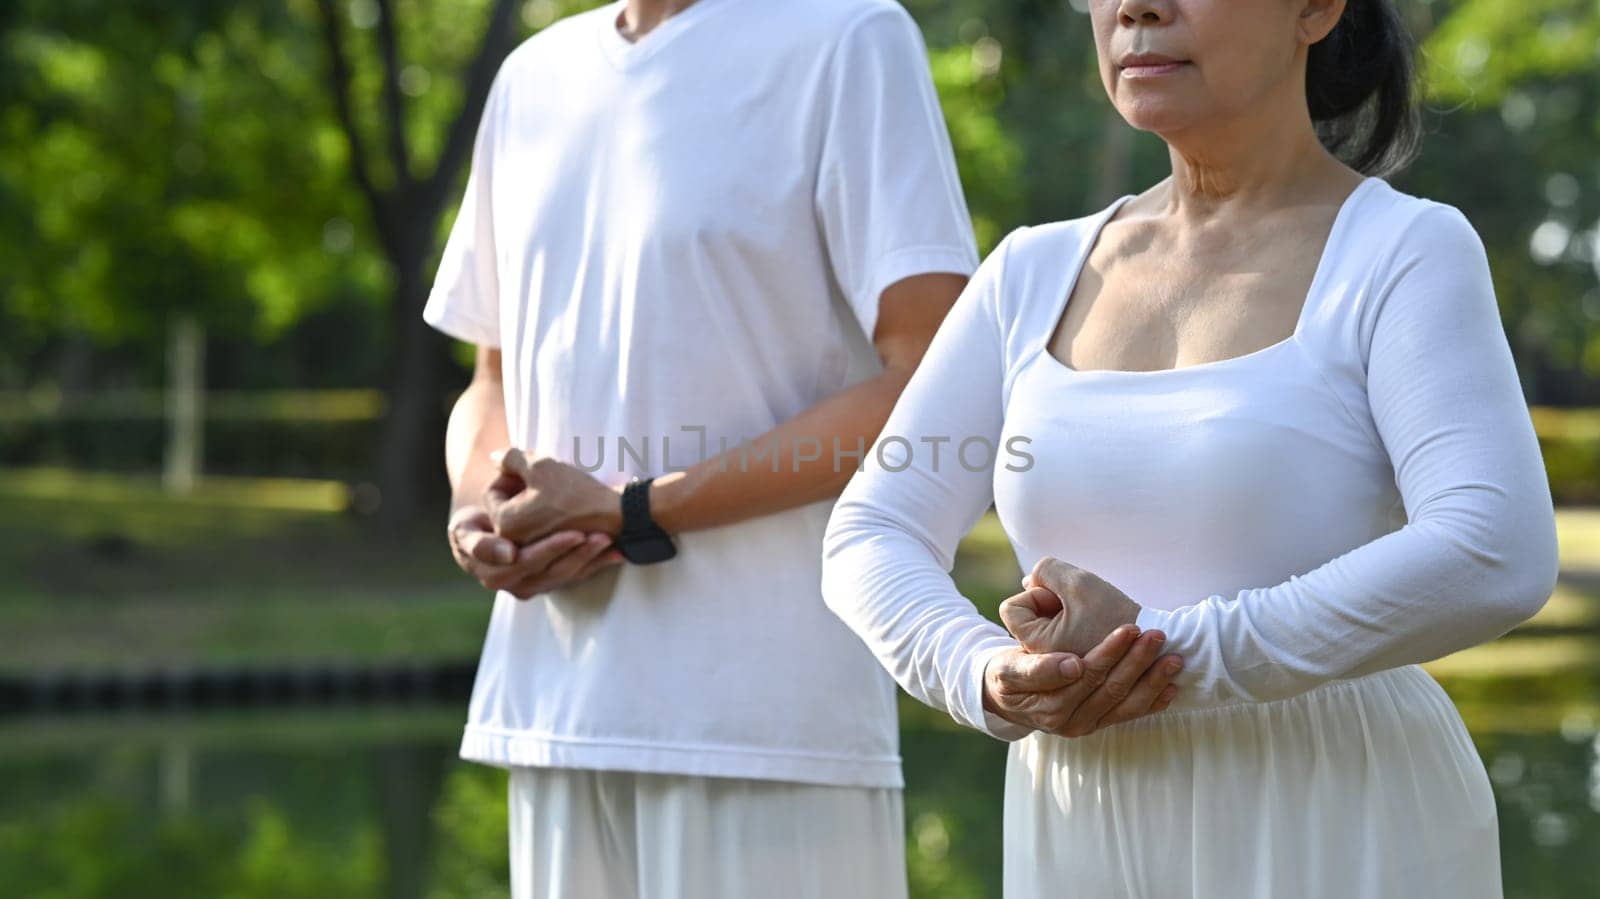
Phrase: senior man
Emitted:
{"points": [[703, 246]]}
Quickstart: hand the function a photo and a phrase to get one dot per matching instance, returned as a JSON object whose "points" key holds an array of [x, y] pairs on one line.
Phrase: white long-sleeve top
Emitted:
{"points": [[1365, 494]]}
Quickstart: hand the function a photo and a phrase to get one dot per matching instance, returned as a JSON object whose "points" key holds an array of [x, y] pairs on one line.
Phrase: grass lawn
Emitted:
{"points": [[113, 572]]}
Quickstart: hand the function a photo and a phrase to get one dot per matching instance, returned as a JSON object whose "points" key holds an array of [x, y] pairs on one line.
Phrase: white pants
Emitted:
{"points": [[578, 834]]}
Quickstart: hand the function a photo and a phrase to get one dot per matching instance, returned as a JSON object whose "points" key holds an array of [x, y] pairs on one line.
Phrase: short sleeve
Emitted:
{"points": [[890, 543], [888, 197], [464, 301]]}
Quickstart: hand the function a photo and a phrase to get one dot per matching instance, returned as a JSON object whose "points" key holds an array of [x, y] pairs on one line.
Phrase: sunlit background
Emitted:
{"points": [[234, 649]]}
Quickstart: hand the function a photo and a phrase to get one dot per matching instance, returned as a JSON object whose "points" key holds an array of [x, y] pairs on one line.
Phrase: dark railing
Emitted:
{"points": [[235, 687]]}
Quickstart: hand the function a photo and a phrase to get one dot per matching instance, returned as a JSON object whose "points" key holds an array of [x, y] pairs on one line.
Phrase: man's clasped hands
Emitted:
{"points": [[1080, 664], [541, 524]]}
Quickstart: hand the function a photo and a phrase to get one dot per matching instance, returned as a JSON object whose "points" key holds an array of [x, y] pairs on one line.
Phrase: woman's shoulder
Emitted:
{"points": [[1042, 256], [1423, 261], [1026, 277], [1054, 240], [1405, 225]]}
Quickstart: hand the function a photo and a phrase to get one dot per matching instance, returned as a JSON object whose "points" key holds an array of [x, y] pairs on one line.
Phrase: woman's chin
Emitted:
{"points": [[1158, 115]]}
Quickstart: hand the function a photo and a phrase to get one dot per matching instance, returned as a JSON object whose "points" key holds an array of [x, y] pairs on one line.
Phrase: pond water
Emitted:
{"points": [[372, 802]]}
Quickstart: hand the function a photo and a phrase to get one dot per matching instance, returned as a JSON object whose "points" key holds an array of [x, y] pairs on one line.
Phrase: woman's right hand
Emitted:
{"points": [[1121, 679]]}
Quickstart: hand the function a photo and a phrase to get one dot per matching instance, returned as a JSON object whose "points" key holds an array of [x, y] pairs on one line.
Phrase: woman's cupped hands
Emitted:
{"points": [[1081, 662]]}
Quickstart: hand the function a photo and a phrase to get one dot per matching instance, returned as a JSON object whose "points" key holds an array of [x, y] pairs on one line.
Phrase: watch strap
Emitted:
{"points": [[642, 541], [636, 507]]}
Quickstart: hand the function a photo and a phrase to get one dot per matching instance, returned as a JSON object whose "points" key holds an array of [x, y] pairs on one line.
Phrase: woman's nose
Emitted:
{"points": [[1143, 12]]}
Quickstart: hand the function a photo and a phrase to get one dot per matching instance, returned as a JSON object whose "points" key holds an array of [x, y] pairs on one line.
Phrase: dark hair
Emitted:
{"points": [[1360, 85]]}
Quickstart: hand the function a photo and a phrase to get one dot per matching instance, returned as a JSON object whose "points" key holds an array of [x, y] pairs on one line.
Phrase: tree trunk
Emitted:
{"points": [[405, 212], [411, 477], [410, 778], [185, 405]]}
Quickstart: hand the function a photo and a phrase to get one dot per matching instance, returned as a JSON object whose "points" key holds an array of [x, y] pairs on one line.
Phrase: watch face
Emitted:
{"points": [[645, 550]]}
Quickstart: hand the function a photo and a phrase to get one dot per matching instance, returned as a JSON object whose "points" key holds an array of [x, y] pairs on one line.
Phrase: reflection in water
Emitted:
{"points": [[346, 803]]}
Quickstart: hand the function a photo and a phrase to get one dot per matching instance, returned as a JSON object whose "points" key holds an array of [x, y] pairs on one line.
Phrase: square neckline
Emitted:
{"points": [[1042, 346]]}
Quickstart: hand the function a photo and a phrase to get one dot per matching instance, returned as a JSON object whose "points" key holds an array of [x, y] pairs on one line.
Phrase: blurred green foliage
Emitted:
{"points": [[100, 846], [159, 156], [1486, 49]]}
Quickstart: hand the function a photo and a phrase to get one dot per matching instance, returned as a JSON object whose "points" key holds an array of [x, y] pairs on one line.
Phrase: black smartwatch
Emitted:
{"points": [[642, 541]]}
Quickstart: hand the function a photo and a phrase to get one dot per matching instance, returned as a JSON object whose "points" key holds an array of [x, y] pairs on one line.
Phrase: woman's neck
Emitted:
{"points": [[1257, 158]]}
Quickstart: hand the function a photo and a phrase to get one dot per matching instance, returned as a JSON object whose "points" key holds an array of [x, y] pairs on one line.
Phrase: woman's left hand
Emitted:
{"points": [[1065, 608]]}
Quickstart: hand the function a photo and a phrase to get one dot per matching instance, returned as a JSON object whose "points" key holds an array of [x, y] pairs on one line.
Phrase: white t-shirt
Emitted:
{"points": [[1365, 494], [681, 240]]}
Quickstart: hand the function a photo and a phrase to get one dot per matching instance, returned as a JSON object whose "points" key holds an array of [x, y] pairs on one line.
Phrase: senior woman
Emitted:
{"points": [[1265, 409]]}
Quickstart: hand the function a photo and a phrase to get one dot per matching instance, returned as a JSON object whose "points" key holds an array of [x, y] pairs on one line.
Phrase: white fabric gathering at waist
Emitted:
{"points": [[1411, 679]]}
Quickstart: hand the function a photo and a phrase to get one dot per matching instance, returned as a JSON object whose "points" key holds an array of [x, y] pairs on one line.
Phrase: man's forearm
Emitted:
{"points": [[477, 428], [811, 457], [776, 471]]}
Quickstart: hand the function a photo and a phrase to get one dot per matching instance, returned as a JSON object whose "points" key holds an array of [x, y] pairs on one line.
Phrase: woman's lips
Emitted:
{"points": [[1151, 70]]}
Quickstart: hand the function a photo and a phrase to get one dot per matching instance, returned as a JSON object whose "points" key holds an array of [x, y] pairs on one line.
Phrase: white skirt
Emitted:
{"points": [[1368, 787]]}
